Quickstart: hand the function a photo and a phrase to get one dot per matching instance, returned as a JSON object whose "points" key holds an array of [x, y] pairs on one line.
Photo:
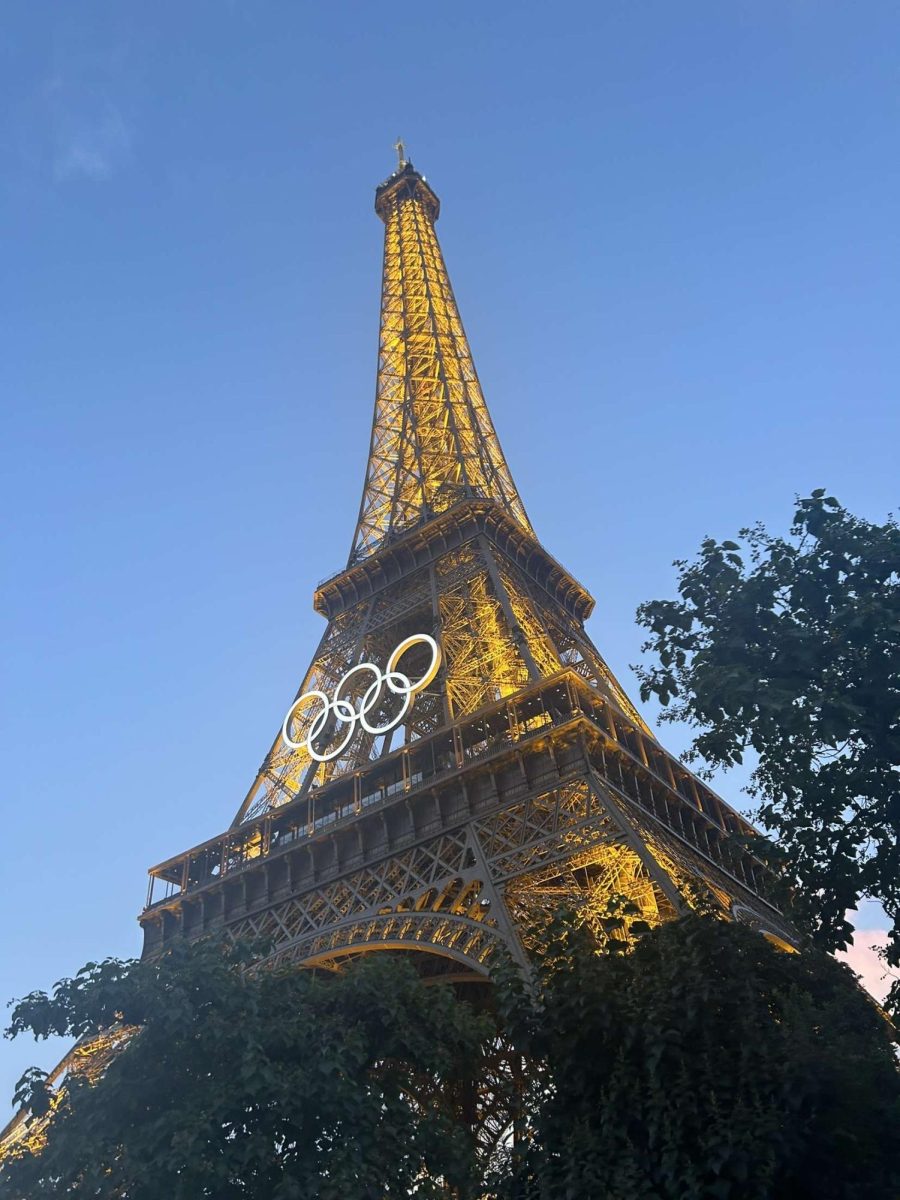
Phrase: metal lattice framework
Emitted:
{"points": [[443, 546], [441, 524], [456, 842], [89, 1057], [521, 777], [433, 441]]}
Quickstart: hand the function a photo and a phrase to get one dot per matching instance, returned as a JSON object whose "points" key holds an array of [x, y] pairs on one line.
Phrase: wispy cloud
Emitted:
{"points": [[90, 145], [76, 122]]}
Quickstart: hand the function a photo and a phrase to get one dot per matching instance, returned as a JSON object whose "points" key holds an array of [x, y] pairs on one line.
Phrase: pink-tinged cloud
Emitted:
{"points": [[862, 956]]}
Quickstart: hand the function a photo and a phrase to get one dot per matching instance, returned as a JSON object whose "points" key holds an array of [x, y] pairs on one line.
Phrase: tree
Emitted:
{"points": [[696, 1063], [267, 1084], [789, 648], [705, 1064]]}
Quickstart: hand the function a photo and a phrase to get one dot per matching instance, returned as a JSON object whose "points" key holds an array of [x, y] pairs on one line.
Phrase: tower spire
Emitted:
{"points": [[433, 442]]}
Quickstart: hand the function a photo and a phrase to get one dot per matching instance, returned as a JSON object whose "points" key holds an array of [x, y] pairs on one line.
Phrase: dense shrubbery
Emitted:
{"points": [[701, 1063]]}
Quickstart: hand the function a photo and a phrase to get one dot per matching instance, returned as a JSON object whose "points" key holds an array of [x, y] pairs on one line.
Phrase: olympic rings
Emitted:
{"points": [[342, 710]]}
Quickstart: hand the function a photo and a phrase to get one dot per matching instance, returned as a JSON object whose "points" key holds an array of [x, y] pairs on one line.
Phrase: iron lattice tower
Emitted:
{"points": [[521, 775]]}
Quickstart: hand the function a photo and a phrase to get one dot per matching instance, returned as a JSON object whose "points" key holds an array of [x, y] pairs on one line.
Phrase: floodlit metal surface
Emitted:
{"points": [[88, 1057], [443, 545], [459, 840], [521, 776], [433, 441], [351, 839]]}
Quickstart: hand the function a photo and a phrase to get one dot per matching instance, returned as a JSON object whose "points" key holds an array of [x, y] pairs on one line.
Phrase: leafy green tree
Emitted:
{"points": [[696, 1063], [705, 1064], [789, 648], [269, 1084]]}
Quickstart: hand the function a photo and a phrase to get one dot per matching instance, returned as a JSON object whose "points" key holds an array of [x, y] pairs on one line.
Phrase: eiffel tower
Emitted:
{"points": [[458, 759]]}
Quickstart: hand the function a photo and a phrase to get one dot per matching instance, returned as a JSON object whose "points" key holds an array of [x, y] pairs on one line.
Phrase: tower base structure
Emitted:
{"points": [[458, 844]]}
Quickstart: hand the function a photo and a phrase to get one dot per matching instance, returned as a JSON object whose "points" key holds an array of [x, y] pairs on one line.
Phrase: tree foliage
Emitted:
{"points": [[700, 1062], [706, 1064], [789, 648], [275, 1084]]}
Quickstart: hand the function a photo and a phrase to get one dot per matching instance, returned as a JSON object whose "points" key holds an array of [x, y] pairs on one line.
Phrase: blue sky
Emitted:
{"points": [[672, 231]]}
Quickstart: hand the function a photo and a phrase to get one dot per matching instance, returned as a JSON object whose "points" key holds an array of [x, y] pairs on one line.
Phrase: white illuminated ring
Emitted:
{"points": [[343, 710], [407, 644]]}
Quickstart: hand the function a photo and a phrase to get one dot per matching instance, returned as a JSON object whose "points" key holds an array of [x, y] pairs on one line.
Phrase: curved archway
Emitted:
{"points": [[452, 936], [773, 933]]}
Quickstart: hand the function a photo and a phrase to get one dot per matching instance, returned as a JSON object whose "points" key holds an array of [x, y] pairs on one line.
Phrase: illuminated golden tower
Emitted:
{"points": [[458, 758]]}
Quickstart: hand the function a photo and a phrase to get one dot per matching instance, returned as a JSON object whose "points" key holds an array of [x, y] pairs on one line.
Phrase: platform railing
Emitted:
{"points": [[492, 732]]}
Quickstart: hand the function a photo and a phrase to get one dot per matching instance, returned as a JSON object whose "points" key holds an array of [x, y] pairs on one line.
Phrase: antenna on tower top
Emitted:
{"points": [[401, 154]]}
